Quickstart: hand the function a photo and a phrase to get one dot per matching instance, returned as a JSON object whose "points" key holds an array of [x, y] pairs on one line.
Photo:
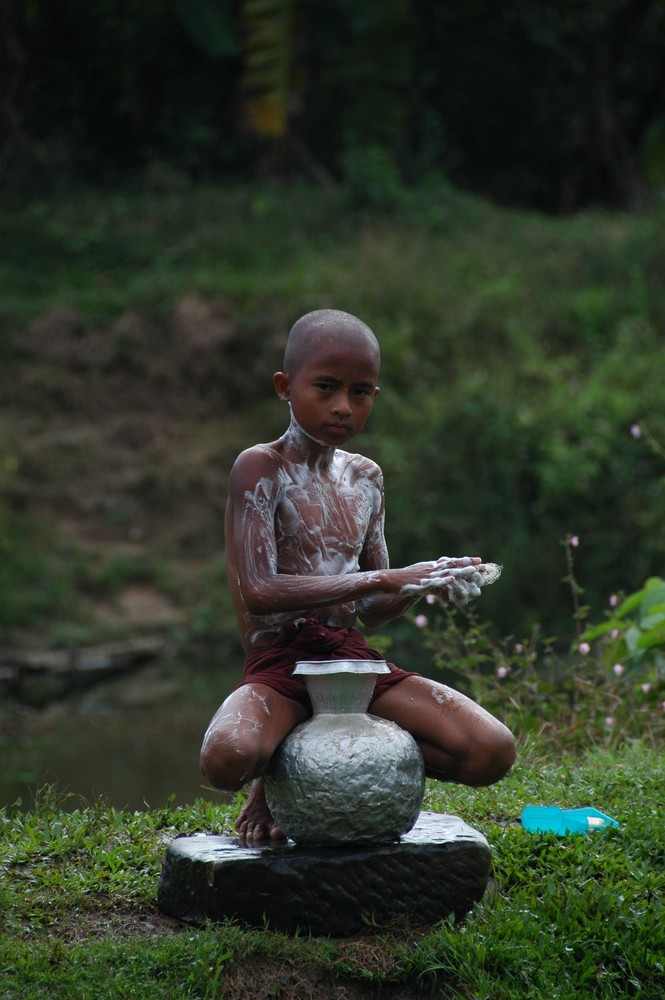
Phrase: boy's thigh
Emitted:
{"points": [[434, 712], [258, 711]]}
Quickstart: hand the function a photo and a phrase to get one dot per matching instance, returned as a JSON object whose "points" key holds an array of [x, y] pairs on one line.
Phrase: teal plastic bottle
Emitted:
{"points": [[552, 819]]}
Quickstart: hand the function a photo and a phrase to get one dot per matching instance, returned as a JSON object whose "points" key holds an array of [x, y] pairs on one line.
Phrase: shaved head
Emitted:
{"points": [[324, 327]]}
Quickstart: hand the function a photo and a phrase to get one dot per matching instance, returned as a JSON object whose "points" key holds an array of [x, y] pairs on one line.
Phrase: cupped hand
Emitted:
{"points": [[432, 575], [452, 579]]}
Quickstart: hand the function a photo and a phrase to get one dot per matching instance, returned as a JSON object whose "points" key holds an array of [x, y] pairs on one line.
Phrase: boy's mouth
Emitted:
{"points": [[337, 428]]}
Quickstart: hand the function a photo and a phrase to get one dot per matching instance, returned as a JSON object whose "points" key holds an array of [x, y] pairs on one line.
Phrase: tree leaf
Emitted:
{"points": [[210, 26], [268, 53]]}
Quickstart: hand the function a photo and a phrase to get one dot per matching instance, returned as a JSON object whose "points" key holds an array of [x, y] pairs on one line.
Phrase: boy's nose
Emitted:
{"points": [[341, 405]]}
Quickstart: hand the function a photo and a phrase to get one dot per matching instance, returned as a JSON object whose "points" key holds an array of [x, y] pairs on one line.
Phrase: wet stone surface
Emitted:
{"points": [[440, 867]]}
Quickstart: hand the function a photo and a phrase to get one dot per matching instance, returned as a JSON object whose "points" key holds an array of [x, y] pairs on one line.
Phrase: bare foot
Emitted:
{"points": [[255, 822]]}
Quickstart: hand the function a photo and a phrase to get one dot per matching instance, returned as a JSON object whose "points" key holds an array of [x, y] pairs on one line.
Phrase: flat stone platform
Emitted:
{"points": [[440, 867]]}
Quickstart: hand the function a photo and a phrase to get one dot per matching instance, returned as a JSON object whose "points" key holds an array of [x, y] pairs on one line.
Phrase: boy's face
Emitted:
{"points": [[332, 392]]}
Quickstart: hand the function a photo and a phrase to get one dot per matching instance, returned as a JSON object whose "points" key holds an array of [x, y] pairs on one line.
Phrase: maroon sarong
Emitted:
{"points": [[309, 639]]}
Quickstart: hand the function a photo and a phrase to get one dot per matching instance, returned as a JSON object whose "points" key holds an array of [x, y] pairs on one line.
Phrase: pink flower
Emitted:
{"points": [[574, 541], [614, 633], [584, 648], [636, 430], [430, 598], [609, 721], [519, 648], [421, 621], [618, 669], [646, 688], [614, 600], [502, 672]]}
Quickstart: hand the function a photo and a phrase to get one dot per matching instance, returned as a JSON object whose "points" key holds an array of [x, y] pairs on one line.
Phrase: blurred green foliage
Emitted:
{"points": [[634, 633], [554, 106], [564, 700], [518, 353]]}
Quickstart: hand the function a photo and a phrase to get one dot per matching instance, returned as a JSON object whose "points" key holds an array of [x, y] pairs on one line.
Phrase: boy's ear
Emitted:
{"points": [[282, 387]]}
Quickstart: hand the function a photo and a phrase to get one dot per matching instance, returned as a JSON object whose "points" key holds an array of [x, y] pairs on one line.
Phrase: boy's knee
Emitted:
{"points": [[498, 757], [226, 764]]}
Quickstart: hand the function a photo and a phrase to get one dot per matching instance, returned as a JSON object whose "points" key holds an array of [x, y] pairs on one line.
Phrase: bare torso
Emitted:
{"points": [[304, 520]]}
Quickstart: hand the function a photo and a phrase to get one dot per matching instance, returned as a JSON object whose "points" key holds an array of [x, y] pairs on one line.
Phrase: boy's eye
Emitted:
{"points": [[360, 391]]}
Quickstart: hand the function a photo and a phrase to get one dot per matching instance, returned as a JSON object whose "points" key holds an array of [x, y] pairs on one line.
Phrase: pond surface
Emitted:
{"points": [[134, 742]]}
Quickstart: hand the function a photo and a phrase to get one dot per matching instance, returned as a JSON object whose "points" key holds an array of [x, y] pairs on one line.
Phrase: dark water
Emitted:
{"points": [[134, 742]]}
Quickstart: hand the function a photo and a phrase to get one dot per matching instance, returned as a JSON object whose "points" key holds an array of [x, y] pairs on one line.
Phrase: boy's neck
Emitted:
{"points": [[308, 449]]}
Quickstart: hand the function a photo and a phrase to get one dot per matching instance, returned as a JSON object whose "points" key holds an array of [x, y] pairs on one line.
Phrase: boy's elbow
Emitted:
{"points": [[371, 614], [257, 600], [255, 603]]}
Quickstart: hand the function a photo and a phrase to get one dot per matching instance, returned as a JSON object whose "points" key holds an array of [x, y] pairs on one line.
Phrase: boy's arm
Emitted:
{"points": [[380, 608], [253, 499]]}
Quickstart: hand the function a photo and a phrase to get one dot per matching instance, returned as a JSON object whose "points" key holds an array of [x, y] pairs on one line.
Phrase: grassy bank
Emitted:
{"points": [[575, 917]]}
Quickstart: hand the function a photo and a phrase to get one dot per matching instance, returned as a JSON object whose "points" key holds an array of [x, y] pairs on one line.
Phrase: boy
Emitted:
{"points": [[306, 557]]}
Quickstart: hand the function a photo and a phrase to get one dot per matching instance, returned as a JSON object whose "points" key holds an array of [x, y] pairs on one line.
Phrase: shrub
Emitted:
{"points": [[605, 688]]}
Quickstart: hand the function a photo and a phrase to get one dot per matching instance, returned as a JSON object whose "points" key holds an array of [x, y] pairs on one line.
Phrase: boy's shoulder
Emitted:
{"points": [[359, 464], [258, 453], [256, 462], [263, 460]]}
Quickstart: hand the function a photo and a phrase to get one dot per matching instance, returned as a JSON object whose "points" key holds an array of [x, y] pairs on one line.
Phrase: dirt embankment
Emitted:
{"points": [[120, 440]]}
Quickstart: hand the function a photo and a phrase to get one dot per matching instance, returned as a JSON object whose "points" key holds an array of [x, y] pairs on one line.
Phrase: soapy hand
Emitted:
{"points": [[457, 580]]}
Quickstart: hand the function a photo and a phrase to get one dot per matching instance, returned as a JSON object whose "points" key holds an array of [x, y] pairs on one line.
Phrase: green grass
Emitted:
{"points": [[570, 917], [107, 251]]}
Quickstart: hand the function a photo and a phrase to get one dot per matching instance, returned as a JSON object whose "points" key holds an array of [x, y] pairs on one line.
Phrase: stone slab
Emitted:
{"points": [[440, 867]]}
